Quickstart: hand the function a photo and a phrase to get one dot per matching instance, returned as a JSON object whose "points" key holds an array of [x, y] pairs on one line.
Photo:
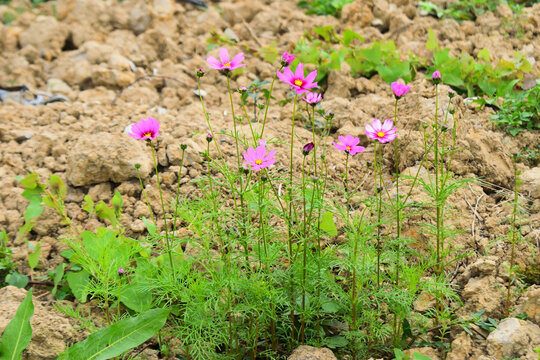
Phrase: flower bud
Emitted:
{"points": [[451, 93], [200, 72], [307, 148], [436, 77], [209, 137], [121, 271], [183, 146], [242, 89], [137, 166]]}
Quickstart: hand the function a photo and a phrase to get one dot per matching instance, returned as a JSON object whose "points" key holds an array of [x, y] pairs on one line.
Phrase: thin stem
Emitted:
{"points": [[268, 102], [146, 197], [290, 215], [208, 118], [398, 218], [514, 234], [304, 262], [178, 191], [167, 238]]}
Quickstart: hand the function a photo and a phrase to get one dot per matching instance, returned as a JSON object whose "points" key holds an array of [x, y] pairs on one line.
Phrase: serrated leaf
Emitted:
{"points": [[327, 224], [118, 338], [88, 204], [57, 186], [18, 332], [30, 181], [33, 258], [484, 55], [349, 35]]}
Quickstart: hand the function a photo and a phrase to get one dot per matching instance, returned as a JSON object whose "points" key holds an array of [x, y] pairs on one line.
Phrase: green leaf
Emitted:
{"points": [[105, 212], [117, 203], [400, 355], [58, 275], [337, 341], [484, 55], [349, 35], [17, 280], [18, 333], [269, 53], [35, 207], [118, 338], [78, 282], [136, 298], [33, 258], [418, 356], [330, 307], [88, 204], [30, 181], [432, 42], [57, 186], [327, 224], [324, 31], [150, 226]]}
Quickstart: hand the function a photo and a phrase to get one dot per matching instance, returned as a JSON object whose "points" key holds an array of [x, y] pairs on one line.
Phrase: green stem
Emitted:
{"points": [[167, 238], [290, 222], [178, 191], [146, 197], [268, 103]]}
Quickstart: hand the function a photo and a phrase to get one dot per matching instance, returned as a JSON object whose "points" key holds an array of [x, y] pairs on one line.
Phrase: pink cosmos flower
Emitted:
{"points": [[226, 63], [383, 132], [349, 144], [297, 80], [257, 159], [400, 89], [287, 59], [312, 98], [146, 129]]}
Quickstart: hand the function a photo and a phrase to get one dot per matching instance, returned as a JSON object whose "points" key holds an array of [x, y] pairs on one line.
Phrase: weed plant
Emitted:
{"points": [[264, 257]]}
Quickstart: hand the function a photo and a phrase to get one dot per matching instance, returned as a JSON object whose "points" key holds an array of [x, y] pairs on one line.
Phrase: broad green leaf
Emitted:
{"points": [[397, 71], [330, 307], [78, 282], [18, 332], [136, 298], [17, 280], [33, 258], [418, 356], [269, 53], [327, 224], [118, 338], [400, 355]]}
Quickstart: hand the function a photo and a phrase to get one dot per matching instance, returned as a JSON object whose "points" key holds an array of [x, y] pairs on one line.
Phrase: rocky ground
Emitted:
{"points": [[90, 50]]}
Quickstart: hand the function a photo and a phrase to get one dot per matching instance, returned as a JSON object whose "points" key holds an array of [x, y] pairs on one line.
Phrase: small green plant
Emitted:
{"points": [[520, 111], [6, 264], [324, 7]]}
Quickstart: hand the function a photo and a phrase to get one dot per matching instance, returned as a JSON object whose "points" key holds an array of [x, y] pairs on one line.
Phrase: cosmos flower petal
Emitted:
{"points": [[237, 59], [214, 63], [299, 73], [224, 55], [311, 76]]}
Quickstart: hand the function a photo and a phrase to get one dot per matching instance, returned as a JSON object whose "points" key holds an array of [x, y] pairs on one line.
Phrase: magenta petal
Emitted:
{"points": [[299, 73], [312, 75], [376, 125], [214, 63], [224, 55], [342, 139], [283, 77], [388, 124], [237, 59]]}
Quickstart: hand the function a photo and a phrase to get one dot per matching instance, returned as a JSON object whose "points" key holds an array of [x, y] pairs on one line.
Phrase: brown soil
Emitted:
{"points": [[88, 50]]}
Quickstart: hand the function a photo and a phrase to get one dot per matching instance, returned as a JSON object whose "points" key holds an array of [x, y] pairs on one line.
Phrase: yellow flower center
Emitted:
{"points": [[227, 64], [258, 162], [380, 134], [348, 148], [148, 134], [298, 82]]}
